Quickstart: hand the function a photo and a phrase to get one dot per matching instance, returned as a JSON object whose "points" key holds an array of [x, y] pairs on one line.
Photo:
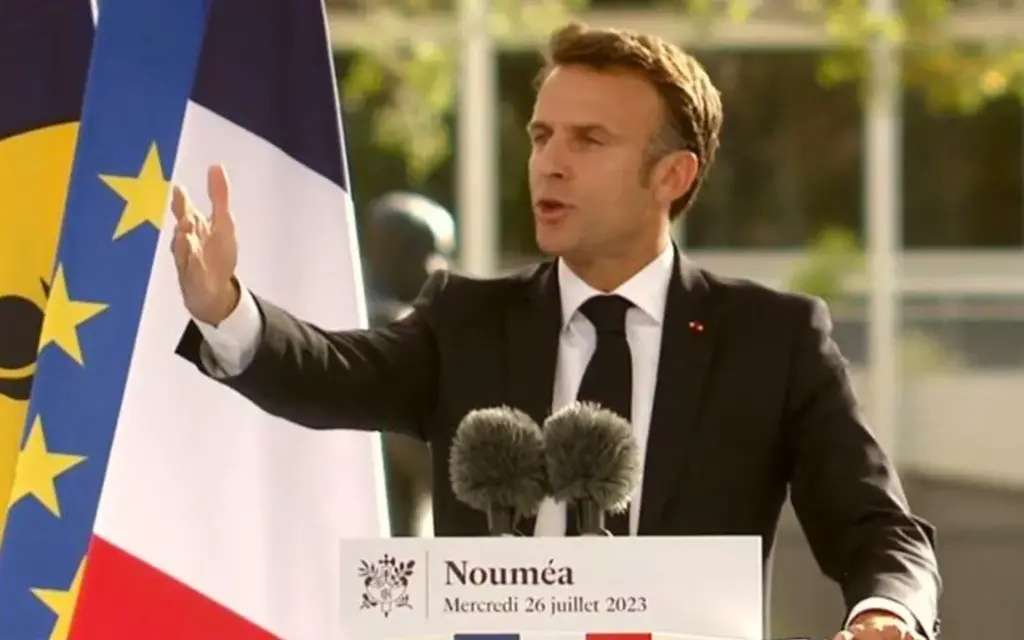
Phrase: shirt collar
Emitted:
{"points": [[648, 289]]}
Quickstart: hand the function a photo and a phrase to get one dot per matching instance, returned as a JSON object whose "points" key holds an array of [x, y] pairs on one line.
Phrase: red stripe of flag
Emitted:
{"points": [[123, 598]]}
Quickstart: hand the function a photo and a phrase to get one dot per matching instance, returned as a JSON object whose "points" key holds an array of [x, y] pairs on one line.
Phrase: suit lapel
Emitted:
{"points": [[532, 326], [687, 346]]}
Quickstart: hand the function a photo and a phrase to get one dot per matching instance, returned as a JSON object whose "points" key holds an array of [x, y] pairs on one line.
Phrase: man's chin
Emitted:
{"points": [[552, 246]]}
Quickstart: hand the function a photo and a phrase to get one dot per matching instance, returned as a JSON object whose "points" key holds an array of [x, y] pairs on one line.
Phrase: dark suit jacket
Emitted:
{"points": [[756, 404]]}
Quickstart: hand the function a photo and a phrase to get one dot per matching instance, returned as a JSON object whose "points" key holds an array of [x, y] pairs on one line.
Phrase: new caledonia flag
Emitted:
{"points": [[185, 512], [44, 56]]}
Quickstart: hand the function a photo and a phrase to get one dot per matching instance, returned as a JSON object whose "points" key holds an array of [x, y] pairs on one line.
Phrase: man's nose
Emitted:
{"points": [[552, 160]]}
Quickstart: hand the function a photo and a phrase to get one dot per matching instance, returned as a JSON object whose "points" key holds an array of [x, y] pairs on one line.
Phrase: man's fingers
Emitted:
{"points": [[183, 227], [190, 232], [177, 203], [194, 220], [863, 633], [220, 197], [890, 633], [180, 249], [181, 207]]}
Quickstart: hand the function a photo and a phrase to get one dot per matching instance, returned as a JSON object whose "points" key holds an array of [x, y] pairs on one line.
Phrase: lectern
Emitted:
{"points": [[518, 588]]}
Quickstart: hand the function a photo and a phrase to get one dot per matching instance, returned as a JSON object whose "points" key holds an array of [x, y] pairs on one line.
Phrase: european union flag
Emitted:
{"points": [[141, 73]]}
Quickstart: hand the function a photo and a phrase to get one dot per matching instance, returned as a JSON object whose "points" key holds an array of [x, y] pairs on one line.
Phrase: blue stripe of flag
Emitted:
{"points": [[141, 74], [289, 96]]}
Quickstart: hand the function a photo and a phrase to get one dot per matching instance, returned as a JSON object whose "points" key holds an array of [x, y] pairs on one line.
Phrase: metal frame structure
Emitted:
{"points": [[883, 221], [892, 270], [351, 30]]}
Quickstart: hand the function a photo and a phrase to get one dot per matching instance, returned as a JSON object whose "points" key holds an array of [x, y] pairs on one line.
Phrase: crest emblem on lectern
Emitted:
{"points": [[386, 584]]}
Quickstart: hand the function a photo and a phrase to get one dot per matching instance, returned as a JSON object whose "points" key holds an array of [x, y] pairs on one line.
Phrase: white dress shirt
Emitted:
{"points": [[230, 346], [648, 291]]}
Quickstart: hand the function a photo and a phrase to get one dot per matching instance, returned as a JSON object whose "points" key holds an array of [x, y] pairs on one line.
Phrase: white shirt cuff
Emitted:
{"points": [[229, 347], [883, 604]]}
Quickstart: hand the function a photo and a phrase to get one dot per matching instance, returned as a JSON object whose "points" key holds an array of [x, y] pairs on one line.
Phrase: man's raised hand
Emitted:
{"points": [[206, 251]]}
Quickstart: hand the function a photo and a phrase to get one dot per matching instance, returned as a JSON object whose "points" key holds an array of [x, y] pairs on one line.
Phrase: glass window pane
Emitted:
{"points": [[516, 73], [969, 332], [375, 170], [976, 331], [963, 176], [790, 159]]}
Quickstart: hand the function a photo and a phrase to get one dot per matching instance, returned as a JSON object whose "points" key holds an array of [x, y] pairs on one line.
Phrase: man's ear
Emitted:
{"points": [[676, 174]]}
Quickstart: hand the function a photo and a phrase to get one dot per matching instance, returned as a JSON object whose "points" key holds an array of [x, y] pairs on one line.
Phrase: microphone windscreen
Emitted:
{"points": [[592, 456], [497, 461]]}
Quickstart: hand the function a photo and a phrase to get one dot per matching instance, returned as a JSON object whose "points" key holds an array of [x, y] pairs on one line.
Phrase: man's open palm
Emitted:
{"points": [[206, 250]]}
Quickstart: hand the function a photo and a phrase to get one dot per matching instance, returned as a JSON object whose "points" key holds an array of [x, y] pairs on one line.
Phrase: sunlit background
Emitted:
{"points": [[873, 155]]}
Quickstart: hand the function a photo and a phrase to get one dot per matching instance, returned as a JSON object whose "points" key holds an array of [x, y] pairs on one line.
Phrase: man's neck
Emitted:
{"points": [[608, 272]]}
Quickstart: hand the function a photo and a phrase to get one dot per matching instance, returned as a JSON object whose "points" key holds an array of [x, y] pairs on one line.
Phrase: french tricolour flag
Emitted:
{"points": [[184, 512], [219, 521]]}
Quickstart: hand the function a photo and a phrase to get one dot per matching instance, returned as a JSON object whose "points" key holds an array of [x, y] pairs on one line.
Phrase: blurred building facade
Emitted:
{"points": [[936, 196]]}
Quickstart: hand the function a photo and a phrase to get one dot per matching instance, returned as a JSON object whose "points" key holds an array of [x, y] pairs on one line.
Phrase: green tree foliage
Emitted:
{"points": [[829, 263], [418, 74], [955, 76]]}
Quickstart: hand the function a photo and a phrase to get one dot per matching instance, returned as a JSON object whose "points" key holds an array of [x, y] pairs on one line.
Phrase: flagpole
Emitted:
{"points": [[477, 150]]}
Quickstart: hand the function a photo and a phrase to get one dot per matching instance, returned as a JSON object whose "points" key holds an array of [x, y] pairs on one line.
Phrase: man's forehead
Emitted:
{"points": [[577, 97]]}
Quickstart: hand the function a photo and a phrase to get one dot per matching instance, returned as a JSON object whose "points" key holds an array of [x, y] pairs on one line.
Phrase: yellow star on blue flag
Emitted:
{"points": [[144, 194], [38, 468], [64, 316], [61, 602], [143, 63]]}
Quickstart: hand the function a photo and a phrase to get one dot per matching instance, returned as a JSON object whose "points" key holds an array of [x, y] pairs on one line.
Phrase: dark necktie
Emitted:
{"points": [[608, 379]]}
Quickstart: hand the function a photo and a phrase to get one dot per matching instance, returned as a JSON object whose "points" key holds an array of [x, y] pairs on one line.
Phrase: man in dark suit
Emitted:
{"points": [[737, 393]]}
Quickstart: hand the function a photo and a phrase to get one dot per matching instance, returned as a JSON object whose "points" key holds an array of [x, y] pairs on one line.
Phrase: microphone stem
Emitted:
{"points": [[500, 521], [591, 519]]}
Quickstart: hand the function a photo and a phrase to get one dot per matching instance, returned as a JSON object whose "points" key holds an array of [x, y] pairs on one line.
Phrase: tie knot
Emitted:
{"points": [[607, 313]]}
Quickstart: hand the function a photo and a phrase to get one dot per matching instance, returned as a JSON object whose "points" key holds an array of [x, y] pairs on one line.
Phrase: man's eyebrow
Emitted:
{"points": [[535, 126], [593, 128]]}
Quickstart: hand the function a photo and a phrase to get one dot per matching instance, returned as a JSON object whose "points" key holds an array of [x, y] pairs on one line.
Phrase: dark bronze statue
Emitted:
{"points": [[408, 236]]}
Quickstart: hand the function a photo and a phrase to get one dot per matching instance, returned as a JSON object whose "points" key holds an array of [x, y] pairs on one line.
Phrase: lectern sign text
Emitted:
{"points": [[408, 588], [552, 602]]}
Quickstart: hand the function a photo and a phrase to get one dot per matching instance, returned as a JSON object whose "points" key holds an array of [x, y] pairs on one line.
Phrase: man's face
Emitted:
{"points": [[590, 131]]}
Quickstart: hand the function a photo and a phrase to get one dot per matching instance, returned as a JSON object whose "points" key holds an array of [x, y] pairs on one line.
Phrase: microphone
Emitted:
{"points": [[497, 466], [593, 462]]}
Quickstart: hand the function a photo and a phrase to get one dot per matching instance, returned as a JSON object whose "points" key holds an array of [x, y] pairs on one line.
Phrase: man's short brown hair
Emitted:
{"points": [[692, 103]]}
